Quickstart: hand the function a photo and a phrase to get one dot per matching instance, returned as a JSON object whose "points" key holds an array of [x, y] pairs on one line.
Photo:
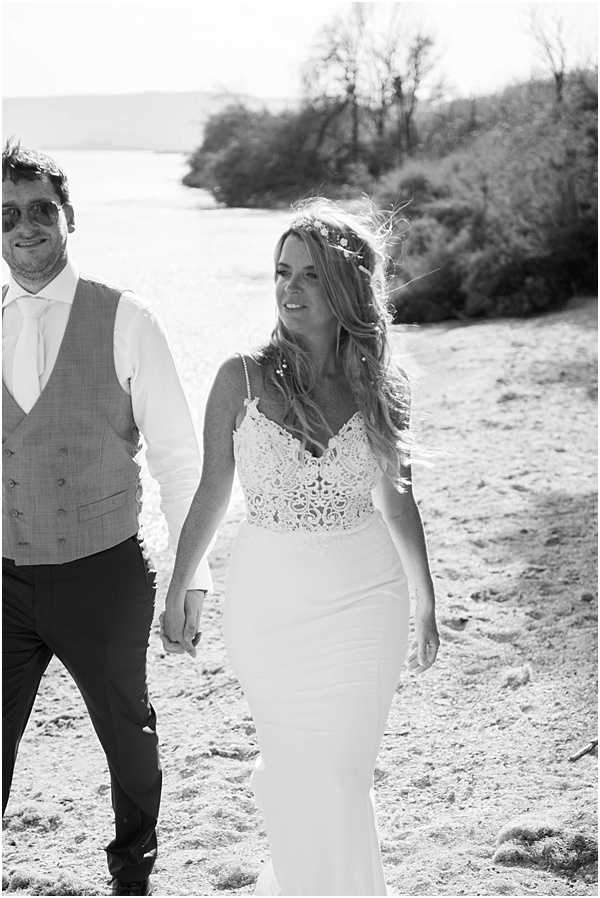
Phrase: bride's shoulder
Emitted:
{"points": [[230, 372], [240, 374]]}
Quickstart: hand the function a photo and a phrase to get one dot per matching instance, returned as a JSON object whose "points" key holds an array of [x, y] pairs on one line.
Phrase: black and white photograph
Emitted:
{"points": [[299, 449]]}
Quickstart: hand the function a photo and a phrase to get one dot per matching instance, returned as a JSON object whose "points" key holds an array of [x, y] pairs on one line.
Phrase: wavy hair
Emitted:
{"points": [[348, 253], [22, 164]]}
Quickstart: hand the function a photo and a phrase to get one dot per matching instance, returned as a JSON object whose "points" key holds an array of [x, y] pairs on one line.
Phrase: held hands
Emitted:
{"points": [[180, 621], [425, 651]]}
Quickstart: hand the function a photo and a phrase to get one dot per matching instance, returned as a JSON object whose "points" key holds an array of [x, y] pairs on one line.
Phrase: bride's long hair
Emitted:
{"points": [[348, 253]]}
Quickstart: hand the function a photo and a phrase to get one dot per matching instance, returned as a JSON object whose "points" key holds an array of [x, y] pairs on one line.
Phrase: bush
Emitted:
{"points": [[435, 295], [411, 187], [573, 246], [453, 213], [358, 181], [252, 158], [499, 285], [423, 237], [507, 226], [504, 223], [427, 286]]}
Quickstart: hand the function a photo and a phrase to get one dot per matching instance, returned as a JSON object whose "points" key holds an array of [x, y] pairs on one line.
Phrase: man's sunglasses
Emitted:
{"points": [[42, 212]]}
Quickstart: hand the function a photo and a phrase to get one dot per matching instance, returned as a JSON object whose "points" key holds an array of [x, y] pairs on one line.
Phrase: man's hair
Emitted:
{"points": [[22, 164]]}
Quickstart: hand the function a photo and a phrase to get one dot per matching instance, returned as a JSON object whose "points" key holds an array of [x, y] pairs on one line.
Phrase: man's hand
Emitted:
{"points": [[180, 622]]}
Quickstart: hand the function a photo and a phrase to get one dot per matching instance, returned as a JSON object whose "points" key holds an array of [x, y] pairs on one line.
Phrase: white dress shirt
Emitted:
{"points": [[145, 369]]}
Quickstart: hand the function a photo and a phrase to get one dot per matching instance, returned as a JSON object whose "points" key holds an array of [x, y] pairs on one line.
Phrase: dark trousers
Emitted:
{"points": [[95, 615]]}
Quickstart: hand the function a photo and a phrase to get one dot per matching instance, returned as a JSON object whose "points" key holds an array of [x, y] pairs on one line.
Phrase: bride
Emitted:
{"points": [[317, 601]]}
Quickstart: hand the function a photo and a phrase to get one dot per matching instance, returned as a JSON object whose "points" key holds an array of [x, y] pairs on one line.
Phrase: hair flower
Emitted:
{"points": [[333, 237]]}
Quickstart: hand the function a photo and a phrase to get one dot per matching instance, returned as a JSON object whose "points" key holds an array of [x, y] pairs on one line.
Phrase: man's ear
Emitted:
{"points": [[70, 216]]}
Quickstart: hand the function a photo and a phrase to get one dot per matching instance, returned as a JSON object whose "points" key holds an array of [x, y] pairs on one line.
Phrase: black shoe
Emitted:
{"points": [[136, 887]]}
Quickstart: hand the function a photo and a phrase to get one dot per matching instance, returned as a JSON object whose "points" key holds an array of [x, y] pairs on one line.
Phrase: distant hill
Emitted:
{"points": [[146, 121]]}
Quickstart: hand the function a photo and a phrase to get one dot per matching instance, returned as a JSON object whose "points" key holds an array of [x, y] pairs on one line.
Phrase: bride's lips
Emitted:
{"points": [[293, 306]]}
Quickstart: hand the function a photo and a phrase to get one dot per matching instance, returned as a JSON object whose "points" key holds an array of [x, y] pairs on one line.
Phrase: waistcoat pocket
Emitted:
{"points": [[102, 506]]}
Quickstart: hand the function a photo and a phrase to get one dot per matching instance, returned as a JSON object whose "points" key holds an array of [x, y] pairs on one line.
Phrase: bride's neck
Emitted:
{"points": [[323, 357]]}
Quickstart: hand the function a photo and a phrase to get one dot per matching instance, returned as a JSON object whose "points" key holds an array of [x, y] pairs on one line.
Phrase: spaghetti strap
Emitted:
{"points": [[247, 377]]}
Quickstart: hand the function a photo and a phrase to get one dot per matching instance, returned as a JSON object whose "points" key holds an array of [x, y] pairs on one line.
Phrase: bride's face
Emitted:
{"points": [[301, 304]]}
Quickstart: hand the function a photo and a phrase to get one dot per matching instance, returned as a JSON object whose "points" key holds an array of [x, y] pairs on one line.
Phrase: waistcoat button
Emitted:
{"points": [[15, 513], [61, 539], [61, 481], [8, 452], [61, 512], [12, 482], [63, 450]]}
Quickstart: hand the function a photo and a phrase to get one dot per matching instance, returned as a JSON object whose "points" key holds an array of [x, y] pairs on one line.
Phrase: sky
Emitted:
{"points": [[125, 46]]}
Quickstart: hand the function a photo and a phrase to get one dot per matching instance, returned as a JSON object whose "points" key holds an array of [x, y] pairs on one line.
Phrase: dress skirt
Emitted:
{"points": [[316, 627]]}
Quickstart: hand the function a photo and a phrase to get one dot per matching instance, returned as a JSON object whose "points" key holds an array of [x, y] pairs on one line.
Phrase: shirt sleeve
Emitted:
{"points": [[145, 369]]}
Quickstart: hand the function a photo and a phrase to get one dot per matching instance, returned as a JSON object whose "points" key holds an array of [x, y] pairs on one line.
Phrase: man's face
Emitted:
{"points": [[35, 252]]}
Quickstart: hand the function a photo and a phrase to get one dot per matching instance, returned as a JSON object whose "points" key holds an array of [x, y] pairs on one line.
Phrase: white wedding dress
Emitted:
{"points": [[316, 626]]}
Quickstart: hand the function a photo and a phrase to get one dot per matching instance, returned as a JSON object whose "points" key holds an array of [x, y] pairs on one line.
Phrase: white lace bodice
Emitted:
{"points": [[289, 489]]}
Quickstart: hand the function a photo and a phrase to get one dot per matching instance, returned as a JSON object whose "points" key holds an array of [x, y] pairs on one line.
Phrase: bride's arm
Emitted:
{"points": [[402, 516], [211, 499]]}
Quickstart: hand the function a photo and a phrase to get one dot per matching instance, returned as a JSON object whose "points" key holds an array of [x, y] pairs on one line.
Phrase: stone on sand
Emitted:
{"points": [[516, 676], [531, 841]]}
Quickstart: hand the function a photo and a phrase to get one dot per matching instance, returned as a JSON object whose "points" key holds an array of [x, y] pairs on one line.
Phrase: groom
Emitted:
{"points": [[86, 370]]}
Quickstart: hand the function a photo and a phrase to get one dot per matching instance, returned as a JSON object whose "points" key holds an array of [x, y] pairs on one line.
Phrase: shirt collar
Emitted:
{"points": [[60, 289]]}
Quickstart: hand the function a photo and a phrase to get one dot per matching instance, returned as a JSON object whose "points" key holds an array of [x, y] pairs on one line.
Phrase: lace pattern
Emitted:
{"points": [[288, 489]]}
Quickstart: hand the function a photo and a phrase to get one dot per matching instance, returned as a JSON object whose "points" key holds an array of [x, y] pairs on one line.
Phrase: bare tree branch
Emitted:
{"points": [[548, 33]]}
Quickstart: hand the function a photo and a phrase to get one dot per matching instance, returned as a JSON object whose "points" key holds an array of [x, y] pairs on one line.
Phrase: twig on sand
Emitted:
{"points": [[584, 751]]}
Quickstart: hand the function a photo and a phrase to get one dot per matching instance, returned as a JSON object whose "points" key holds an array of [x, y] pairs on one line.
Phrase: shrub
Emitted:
{"points": [[428, 287], [573, 246], [452, 212], [504, 223], [413, 186], [503, 284], [507, 226]]}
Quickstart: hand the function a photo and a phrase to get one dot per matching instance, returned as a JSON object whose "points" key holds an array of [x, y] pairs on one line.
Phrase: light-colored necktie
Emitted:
{"points": [[28, 361]]}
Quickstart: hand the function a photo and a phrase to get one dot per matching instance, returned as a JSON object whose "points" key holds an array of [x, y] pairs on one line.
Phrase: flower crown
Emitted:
{"points": [[334, 239]]}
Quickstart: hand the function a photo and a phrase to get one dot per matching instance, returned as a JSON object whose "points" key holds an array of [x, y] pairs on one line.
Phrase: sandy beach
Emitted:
{"points": [[481, 740]]}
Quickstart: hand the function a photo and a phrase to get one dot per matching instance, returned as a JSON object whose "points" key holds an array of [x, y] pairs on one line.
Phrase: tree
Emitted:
{"points": [[384, 49], [369, 61], [337, 70], [548, 34], [407, 85]]}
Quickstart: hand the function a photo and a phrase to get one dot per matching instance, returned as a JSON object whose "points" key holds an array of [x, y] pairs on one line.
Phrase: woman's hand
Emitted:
{"points": [[180, 621], [425, 651], [403, 519]]}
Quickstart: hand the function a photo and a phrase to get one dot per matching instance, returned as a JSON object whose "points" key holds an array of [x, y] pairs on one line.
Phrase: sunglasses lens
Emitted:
{"points": [[10, 217], [44, 212]]}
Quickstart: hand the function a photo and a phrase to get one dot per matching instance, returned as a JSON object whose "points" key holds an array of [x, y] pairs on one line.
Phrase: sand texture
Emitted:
{"points": [[475, 749]]}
